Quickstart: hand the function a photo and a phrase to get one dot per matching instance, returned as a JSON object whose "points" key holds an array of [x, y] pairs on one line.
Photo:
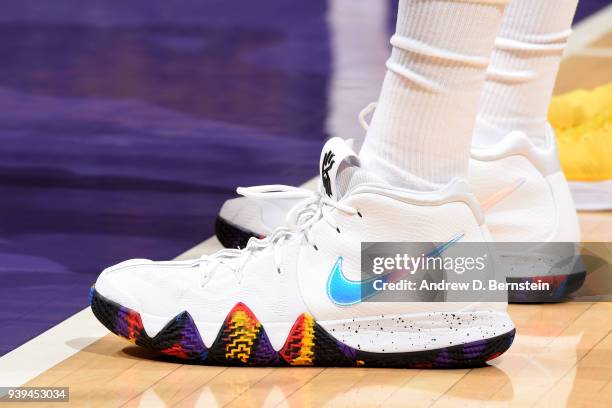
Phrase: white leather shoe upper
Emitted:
{"points": [[524, 195]]}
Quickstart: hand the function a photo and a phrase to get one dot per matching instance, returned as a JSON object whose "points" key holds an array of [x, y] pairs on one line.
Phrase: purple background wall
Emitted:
{"points": [[125, 125]]}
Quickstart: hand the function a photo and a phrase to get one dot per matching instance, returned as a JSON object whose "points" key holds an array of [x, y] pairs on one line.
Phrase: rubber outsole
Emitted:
{"points": [[242, 341], [232, 236], [560, 287], [592, 195]]}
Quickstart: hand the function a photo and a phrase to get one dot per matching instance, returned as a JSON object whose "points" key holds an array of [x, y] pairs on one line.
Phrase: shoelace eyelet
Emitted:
{"points": [[338, 229], [359, 214]]}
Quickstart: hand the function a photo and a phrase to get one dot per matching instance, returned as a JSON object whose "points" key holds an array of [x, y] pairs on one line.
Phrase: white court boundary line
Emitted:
{"points": [[50, 348], [65, 339], [54, 346]]}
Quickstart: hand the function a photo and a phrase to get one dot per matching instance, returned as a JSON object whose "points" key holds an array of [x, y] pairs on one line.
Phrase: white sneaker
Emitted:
{"points": [[526, 199], [523, 191], [283, 300], [520, 187]]}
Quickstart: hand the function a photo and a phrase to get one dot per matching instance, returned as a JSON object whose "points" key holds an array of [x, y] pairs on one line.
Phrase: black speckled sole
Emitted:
{"points": [[242, 340]]}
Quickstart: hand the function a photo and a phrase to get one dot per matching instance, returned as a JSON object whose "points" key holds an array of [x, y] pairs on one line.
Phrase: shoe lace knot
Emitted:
{"points": [[300, 219]]}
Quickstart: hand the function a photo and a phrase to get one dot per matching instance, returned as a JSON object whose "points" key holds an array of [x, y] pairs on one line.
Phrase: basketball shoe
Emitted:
{"points": [[520, 187], [293, 298]]}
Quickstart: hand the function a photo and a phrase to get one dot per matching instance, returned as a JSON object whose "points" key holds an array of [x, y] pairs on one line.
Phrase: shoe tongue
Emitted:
{"points": [[340, 169]]}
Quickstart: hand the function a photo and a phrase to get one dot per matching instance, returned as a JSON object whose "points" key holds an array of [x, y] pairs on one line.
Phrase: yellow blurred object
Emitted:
{"points": [[579, 106], [583, 124]]}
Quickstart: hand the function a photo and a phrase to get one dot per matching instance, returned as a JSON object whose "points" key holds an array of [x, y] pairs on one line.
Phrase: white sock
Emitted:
{"points": [[421, 132], [523, 69]]}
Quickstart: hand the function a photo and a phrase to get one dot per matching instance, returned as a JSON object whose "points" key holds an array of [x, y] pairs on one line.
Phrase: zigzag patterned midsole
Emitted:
{"points": [[242, 340]]}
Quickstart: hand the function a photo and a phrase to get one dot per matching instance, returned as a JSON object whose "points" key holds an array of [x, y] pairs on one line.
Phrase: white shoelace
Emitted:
{"points": [[364, 114], [300, 220]]}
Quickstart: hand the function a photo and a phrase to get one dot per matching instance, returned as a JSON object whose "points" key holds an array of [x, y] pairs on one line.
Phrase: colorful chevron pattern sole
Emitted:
{"points": [[242, 340]]}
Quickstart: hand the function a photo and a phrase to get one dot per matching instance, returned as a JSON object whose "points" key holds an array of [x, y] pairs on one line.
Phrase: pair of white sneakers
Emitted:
{"points": [[276, 302], [523, 197]]}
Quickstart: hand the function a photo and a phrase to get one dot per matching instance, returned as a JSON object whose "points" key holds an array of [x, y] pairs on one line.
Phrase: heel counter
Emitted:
{"points": [[568, 227]]}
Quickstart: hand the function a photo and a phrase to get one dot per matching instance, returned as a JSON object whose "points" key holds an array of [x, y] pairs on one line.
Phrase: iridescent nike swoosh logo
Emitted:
{"points": [[501, 194], [346, 292]]}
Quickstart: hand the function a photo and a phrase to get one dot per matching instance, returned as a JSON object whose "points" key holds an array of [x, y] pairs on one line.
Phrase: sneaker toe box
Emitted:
{"points": [[146, 287]]}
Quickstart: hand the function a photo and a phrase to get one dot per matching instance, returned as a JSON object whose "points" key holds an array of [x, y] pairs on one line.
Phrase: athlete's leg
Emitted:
{"points": [[421, 132], [523, 69]]}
